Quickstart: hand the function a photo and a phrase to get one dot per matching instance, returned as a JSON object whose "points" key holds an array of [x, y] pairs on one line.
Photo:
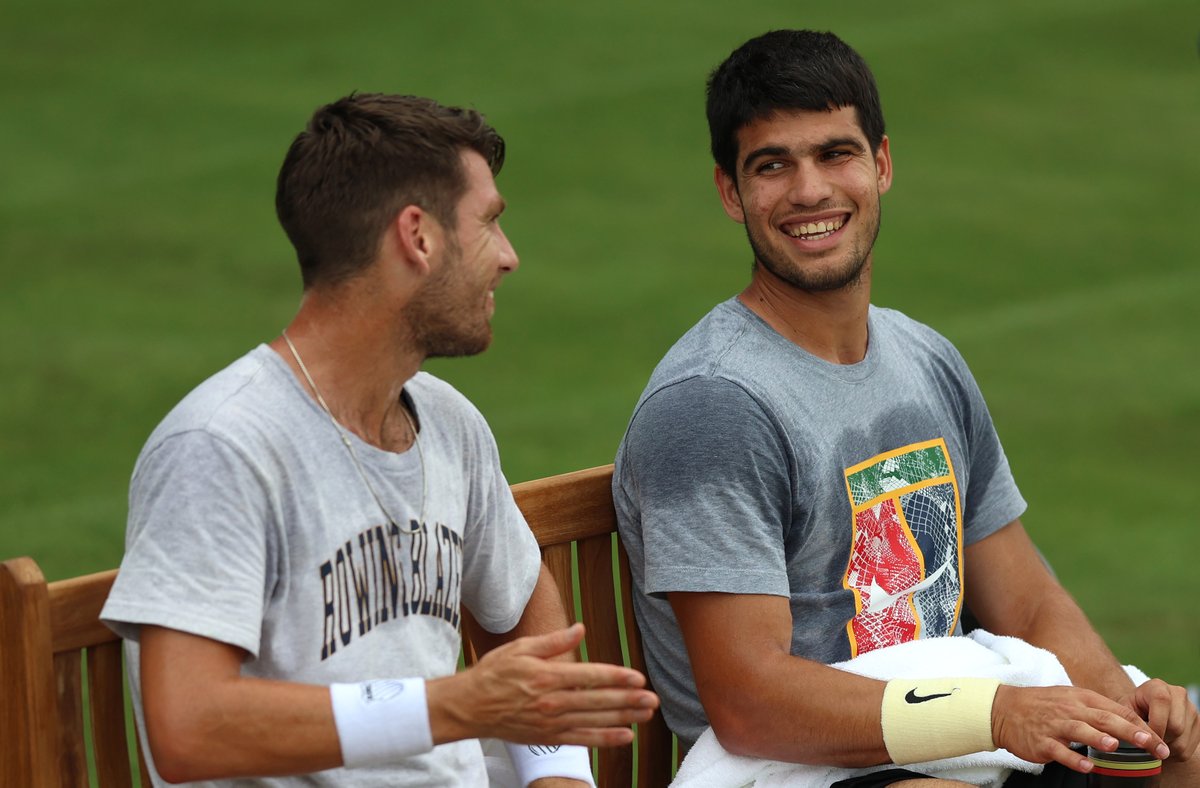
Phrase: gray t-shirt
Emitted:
{"points": [[753, 467], [249, 524]]}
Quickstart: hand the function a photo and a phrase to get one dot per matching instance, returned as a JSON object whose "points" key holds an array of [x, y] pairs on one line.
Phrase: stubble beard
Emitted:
{"points": [[821, 280], [436, 317]]}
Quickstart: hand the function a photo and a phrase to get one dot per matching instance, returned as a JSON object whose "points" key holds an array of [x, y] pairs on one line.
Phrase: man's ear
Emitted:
{"points": [[419, 236], [731, 199], [883, 165]]}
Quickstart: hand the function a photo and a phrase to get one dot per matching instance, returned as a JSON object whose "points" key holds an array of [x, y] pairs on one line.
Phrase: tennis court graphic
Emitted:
{"points": [[905, 566]]}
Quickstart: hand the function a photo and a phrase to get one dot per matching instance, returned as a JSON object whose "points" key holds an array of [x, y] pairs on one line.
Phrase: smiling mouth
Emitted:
{"points": [[815, 231]]}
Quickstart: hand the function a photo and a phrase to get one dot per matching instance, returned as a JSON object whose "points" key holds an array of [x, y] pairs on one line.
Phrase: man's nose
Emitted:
{"points": [[809, 185], [509, 261]]}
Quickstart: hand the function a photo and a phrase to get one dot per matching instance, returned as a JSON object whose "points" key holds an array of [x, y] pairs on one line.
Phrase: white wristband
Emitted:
{"points": [[382, 721], [928, 719], [534, 761]]}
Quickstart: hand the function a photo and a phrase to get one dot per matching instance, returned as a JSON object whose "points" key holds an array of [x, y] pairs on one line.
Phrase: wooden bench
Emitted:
{"points": [[50, 634]]}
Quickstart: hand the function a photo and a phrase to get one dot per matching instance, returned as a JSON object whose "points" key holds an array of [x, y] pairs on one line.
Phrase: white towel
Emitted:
{"points": [[978, 655]]}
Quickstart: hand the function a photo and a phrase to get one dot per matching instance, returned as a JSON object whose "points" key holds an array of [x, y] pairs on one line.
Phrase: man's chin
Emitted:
{"points": [[459, 347], [818, 281]]}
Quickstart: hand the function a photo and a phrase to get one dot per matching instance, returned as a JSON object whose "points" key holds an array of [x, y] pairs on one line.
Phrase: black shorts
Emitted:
{"points": [[878, 779], [1055, 775]]}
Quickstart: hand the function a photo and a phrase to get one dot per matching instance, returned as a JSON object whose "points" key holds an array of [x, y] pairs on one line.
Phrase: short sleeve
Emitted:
{"points": [[992, 499], [196, 553], [706, 474], [502, 560]]}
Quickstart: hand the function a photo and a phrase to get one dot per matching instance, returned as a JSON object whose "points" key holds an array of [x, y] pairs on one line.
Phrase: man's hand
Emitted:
{"points": [[558, 782], [1039, 724], [1170, 714], [518, 692]]}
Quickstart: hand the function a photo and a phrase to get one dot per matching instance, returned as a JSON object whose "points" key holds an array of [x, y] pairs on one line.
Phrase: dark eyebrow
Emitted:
{"points": [[842, 142], [759, 153]]}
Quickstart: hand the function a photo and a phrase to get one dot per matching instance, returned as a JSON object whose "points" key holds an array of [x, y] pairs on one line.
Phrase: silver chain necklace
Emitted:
{"points": [[354, 456]]}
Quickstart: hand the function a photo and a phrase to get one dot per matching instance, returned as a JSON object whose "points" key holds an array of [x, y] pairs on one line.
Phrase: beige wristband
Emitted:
{"points": [[928, 719]]}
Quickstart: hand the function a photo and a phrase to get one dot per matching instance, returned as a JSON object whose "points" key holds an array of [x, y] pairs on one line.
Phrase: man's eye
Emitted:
{"points": [[834, 155], [770, 166]]}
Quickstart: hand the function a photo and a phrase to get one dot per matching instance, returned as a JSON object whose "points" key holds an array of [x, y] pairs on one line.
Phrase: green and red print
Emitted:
{"points": [[905, 565]]}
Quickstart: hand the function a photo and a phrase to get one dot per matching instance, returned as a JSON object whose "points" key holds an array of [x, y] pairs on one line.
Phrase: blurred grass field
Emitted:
{"points": [[1043, 217]]}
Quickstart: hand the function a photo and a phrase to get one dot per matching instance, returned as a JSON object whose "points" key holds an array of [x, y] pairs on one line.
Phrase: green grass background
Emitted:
{"points": [[1043, 217]]}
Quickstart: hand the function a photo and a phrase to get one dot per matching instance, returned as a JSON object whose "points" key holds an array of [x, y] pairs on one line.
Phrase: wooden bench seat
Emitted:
{"points": [[50, 634]]}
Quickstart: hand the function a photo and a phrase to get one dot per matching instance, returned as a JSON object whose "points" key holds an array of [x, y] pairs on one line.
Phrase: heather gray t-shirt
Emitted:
{"points": [[249, 524], [753, 467]]}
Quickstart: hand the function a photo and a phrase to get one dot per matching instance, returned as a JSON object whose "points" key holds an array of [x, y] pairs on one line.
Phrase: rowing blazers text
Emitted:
{"points": [[383, 574]]}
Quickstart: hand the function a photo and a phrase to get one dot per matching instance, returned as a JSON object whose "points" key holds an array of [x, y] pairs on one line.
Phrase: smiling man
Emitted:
{"points": [[308, 526], [808, 478]]}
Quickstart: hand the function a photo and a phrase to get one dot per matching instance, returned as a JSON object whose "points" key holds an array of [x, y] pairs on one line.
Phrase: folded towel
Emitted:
{"points": [[977, 655]]}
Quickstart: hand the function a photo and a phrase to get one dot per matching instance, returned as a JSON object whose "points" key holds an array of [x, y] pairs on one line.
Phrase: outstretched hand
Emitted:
{"points": [[520, 693], [1040, 723], [1170, 714]]}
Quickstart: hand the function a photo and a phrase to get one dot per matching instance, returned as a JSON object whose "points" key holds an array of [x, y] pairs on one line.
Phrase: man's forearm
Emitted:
{"points": [[763, 702], [207, 721], [802, 712], [1011, 592], [1060, 626]]}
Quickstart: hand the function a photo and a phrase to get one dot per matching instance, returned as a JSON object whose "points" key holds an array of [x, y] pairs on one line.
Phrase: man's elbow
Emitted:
{"points": [[735, 739], [173, 763], [178, 749], [738, 729]]}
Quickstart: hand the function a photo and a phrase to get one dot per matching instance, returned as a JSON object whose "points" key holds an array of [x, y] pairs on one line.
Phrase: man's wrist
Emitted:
{"points": [[929, 719], [447, 723], [533, 762], [381, 722]]}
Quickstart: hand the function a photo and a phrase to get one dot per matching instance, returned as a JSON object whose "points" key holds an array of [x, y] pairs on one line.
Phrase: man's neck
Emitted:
{"points": [[831, 325], [359, 360]]}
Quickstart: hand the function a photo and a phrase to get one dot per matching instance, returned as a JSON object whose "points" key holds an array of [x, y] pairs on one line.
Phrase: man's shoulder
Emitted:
{"points": [[890, 319], [438, 391], [896, 326], [249, 387], [714, 373], [244, 406], [712, 348], [442, 407]]}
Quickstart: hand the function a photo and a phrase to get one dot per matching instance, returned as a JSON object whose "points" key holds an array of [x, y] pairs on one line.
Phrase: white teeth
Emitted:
{"points": [[814, 228]]}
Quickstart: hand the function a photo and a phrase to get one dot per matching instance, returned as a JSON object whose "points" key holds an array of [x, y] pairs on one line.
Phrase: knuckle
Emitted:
{"points": [[547, 705], [1043, 752], [542, 680]]}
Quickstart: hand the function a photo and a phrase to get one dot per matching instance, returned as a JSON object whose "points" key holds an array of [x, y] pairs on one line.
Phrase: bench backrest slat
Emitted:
{"points": [[68, 673], [653, 737], [107, 705]]}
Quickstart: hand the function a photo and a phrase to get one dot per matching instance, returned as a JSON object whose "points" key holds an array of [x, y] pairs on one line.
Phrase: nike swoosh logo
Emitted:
{"points": [[913, 697], [878, 600]]}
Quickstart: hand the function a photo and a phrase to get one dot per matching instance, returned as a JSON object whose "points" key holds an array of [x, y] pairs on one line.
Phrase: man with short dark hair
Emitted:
{"points": [[309, 528], [808, 478]]}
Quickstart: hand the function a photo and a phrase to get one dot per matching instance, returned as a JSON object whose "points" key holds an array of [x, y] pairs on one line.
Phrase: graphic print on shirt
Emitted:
{"points": [[382, 574], [905, 566]]}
